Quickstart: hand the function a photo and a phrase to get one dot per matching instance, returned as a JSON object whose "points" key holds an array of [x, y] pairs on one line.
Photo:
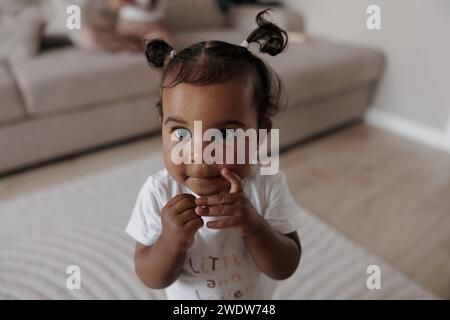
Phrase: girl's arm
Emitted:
{"points": [[275, 254], [158, 266]]}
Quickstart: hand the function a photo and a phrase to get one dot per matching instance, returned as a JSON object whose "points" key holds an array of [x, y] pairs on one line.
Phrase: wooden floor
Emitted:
{"points": [[385, 192]]}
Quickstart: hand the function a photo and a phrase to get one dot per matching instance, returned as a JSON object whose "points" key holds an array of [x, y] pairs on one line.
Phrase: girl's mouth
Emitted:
{"points": [[206, 180]]}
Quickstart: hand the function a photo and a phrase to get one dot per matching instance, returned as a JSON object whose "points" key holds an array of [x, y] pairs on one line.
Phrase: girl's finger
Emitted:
{"points": [[220, 198], [234, 179], [219, 210], [183, 204], [187, 215], [224, 223], [179, 197], [194, 224]]}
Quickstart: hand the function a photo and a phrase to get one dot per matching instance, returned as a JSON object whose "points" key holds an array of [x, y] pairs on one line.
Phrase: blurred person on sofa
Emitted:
{"points": [[122, 25]]}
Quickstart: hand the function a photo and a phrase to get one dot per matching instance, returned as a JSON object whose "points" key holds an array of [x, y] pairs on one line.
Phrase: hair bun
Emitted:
{"points": [[269, 36], [156, 52]]}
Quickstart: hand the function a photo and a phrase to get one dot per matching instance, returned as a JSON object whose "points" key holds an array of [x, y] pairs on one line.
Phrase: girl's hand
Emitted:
{"points": [[179, 222], [234, 205]]}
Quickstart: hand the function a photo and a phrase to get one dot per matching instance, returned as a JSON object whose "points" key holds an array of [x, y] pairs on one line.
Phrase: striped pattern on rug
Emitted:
{"points": [[81, 222]]}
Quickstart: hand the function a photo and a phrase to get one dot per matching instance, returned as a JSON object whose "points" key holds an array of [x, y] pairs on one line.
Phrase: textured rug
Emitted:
{"points": [[81, 222]]}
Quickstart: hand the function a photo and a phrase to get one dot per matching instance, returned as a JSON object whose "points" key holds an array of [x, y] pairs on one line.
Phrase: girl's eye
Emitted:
{"points": [[181, 133], [225, 134]]}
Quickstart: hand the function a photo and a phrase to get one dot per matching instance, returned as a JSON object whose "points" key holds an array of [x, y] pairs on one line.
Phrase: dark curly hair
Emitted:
{"points": [[214, 62]]}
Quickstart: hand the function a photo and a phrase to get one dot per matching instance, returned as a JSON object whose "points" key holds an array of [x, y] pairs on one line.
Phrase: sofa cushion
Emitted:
{"points": [[318, 69], [45, 138], [193, 14], [21, 27], [309, 70], [186, 38], [11, 103], [71, 78], [56, 16]]}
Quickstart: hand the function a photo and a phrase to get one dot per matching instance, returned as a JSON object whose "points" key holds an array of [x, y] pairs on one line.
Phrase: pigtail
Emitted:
{"points": [[157, 52], [270, 37]]}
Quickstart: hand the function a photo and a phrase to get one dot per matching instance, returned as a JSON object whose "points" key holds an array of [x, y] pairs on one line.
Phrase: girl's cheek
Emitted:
{"points": [[237, 152], [176, 155]]}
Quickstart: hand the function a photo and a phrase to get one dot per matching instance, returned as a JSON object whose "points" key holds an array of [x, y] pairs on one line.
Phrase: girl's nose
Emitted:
{"points": [[198, 147]]}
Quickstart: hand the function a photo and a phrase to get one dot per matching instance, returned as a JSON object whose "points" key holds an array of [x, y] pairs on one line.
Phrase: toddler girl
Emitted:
{"points": [[208, 231]]}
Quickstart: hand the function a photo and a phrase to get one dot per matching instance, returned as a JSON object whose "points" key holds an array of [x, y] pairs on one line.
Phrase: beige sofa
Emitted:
{"points": [[67, 100]]}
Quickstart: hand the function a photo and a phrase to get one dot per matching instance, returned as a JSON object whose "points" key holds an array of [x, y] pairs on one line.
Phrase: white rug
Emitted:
{"points": [[81, 222]]}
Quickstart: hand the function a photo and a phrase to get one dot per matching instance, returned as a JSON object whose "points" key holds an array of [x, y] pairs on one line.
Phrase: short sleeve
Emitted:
{"points": [[145, 222], [281, 212]]}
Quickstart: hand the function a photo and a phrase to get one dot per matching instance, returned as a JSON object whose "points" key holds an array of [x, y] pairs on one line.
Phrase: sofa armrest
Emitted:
{"points": [[242, 17]]}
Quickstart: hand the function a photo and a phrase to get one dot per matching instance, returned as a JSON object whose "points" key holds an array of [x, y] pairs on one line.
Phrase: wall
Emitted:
{"points": [[414, 95]]}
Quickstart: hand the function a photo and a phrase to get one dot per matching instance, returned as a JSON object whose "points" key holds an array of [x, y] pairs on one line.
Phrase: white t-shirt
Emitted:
{"points": [[218, 265]]}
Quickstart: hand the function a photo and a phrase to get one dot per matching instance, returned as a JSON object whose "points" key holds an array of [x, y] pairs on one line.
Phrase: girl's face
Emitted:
{"points": [[220, 106]]}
